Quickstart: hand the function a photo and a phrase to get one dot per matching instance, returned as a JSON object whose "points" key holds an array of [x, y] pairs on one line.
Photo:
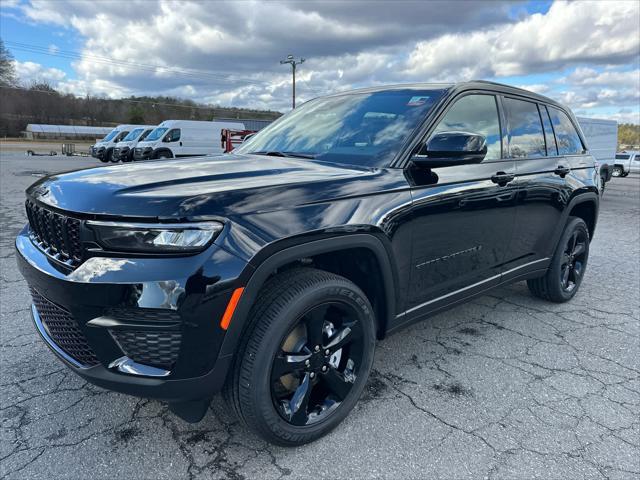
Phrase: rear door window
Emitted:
{"points": [[475, 114], [567, 137], [526, 137]]}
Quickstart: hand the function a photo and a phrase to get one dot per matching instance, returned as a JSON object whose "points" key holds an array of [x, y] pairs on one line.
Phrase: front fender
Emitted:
{"points": [[254, 277]]}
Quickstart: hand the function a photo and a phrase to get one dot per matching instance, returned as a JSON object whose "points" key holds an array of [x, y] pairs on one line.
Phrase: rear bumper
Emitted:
{"points": [[108, 297]]}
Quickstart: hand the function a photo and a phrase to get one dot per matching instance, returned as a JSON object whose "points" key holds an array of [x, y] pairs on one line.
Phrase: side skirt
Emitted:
{"points": [[433, 307]]}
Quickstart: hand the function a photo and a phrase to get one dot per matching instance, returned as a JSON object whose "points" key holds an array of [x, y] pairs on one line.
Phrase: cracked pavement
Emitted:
{"points": [[506, 386]]}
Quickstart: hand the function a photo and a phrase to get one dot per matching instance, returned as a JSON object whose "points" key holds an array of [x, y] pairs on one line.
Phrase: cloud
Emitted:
{"points": [[568, 34], [31, 72], [228, 52]]}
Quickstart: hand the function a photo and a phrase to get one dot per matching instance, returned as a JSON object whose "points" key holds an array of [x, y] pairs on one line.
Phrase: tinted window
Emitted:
{"points": [[475, 114], [526, 138], [552, 149], [568, 139], [173, 135], [144, 135], [362, 128], [623, 157]]}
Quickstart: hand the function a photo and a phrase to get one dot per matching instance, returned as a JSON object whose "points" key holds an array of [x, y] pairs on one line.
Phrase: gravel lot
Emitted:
{"points": [[504, 387]]}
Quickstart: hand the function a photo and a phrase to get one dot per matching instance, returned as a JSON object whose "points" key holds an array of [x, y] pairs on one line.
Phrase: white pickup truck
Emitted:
{"points": [[626, 162]]}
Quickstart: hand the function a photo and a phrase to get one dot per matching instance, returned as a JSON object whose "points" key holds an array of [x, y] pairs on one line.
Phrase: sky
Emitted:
{"points": [[584, 54]]}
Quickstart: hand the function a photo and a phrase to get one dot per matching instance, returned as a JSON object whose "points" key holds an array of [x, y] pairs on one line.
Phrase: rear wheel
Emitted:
{"points": [[617, 171], [306, 356], [568, 265]]}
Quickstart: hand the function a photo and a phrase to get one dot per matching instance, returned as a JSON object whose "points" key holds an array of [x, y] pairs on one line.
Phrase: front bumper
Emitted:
{"points": [[142, 153], [112, 300], [123, 154], [97, 152]]}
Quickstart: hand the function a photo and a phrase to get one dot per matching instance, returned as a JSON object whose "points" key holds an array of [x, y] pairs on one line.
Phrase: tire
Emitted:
{"points": [[617, 171], [163, 155], [568, 265], [287, 308], [104, 158], [625, 174], [603, 183], [108, 156]]}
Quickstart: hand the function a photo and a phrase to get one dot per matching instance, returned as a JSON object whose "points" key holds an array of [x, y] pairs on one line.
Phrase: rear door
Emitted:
{"points": [[546, 147], [463, 216]]}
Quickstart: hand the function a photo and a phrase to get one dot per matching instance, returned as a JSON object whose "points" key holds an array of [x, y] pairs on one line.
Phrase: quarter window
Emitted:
{"points": [[550, 139], [526, 137], [475, 114], [569, 142]]}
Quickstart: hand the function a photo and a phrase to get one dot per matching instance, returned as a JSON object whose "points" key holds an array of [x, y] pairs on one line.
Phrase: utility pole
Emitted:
{"points": [[293, 62]]}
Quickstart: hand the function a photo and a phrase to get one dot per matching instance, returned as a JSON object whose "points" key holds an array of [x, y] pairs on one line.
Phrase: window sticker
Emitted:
{"points": [[417, 101]]}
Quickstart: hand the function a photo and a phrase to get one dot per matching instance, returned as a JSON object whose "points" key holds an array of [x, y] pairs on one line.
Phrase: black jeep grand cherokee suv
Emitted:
{"points": [[269, 273]]}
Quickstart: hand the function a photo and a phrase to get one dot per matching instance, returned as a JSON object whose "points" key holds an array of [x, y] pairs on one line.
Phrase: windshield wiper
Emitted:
{"points": [[276, 153]]}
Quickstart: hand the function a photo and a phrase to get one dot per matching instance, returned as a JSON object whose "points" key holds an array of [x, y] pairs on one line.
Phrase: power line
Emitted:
{"points": [[191, 73]]}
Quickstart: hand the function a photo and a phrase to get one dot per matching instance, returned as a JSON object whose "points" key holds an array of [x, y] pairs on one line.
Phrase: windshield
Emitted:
{"points": [[365, 129], [156, 134], [133, 134], [110, 136]]}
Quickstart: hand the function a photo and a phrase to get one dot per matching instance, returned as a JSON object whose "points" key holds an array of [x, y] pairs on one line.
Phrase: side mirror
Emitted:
{"points": [[447, 149]]}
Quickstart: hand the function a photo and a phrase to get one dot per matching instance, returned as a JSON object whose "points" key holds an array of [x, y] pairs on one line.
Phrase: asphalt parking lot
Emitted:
{"points": [[504, 387]]}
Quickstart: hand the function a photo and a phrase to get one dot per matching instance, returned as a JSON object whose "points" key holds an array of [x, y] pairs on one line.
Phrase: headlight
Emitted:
{"points": [[155, 238]]}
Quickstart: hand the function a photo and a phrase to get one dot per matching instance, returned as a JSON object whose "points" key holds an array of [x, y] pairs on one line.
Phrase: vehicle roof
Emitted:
{"points": [[460, 86]]}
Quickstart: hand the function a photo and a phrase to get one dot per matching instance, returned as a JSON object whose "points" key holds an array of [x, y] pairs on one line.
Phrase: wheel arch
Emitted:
{"points": [[157, 152], [584, 205], [313, 249]]}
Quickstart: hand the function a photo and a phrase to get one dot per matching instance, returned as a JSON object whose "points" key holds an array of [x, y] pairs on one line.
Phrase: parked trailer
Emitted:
{"points": [[602, 140]]}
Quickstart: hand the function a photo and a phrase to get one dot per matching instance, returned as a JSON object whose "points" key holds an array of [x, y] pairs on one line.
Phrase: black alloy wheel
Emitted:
{"points": [[317, 364], [566, 270], [573, 261], [304, 358]]}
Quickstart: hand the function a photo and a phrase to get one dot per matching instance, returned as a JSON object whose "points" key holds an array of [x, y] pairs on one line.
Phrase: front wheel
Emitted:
{"points": [[568, 265], [305, 358]]}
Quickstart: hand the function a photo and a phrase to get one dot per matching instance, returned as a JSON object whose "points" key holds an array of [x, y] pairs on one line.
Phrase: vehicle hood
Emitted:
{"points": [[204, 186], [146, 144], [125, 144]]}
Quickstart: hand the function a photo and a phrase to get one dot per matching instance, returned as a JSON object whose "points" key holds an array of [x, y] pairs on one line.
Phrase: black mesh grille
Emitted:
{"points": [[56, 234], [155, 348], [63, 330]]}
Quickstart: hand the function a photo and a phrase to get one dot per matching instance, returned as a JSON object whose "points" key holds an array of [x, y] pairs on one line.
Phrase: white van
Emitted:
{"points": [[123, 151], [183, 138], [103, 149]]}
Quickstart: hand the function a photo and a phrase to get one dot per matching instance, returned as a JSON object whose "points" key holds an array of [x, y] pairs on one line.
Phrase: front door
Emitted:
{"points": [[463, 216]]}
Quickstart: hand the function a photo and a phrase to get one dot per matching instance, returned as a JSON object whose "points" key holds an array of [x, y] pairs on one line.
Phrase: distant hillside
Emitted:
{"points": [[42, 104], [629, 134]]}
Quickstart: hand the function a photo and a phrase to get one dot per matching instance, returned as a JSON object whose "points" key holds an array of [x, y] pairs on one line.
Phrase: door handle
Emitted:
{"points": [[180, 143], [561, 170], [502, 178]]}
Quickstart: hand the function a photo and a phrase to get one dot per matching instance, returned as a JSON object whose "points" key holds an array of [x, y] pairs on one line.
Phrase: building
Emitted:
{"points": [[37, 131]]}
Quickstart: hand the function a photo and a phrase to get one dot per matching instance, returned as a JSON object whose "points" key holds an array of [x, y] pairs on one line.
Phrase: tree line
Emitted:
{"points": [[39, 102]]}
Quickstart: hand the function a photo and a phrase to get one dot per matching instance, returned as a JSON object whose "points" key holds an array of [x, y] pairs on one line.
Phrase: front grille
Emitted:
{"points": [[58, 235], [64, 330], [157, 348]]}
